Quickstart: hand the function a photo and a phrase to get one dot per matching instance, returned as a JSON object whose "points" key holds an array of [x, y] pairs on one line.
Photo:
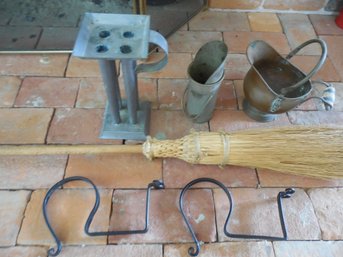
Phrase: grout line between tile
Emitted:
{"points": [[315, 32], [38, 38], [236, 95], [109, 218], [188, 19], [248, 20], [157, 93], [215, 215], [315, 213], [289, 118], [66, 67], [162, 175], [258, 179], [77, 93], [24, 212], [9, 21], [163, 245], [49, 126], [274, 253], [65, 168], [19, 88], [284, 31]]}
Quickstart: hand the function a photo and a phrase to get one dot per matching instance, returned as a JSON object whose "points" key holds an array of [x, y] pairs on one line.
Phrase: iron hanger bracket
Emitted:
{"points": [[156, 184], [195, 251]]}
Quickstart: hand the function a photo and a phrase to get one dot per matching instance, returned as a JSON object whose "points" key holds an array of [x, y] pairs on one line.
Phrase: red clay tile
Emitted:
{"points": [[325, 24], [175, 69], [220, 21], [305, 5], [307, 63], [299, 29], [13, 205], [113, 250], [237, 120], [91, 94], [24, 126], [67, 211], [31, 172], [239, 41], [328, 205], [335, 50], [310, 105], [255, 212], [33, 65], [166, 223], [236, 66], [147, 90], [163, 124], [47, 92], [170, 93], [22, 251], [191, 41], [114, 171], [267, 22], [315, 118], [230, 249], [77, 126], [269, 178], [177, 173], [82, 68], [226, 98], [9, 87], [234, 4], [308, 249]]}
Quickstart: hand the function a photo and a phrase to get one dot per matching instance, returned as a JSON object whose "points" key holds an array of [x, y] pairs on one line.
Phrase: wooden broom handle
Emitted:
{"points": [[67, 149]]}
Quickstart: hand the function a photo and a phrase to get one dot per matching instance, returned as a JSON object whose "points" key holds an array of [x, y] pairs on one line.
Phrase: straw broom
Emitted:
{"points": [[299, 150]]}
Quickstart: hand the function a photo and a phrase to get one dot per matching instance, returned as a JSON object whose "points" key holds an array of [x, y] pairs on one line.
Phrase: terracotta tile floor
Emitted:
{"points": [[55, 99]]}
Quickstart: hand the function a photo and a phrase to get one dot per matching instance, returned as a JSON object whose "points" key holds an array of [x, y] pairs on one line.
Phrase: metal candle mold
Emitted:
{"points": [[111, 37]]}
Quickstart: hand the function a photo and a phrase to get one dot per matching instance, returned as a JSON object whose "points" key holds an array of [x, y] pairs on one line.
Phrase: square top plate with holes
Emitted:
{"points": [[113, 36]]}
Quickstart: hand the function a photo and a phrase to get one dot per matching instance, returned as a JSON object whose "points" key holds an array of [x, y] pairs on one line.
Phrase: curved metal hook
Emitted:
{"points": [[157, 184], [195, 251]]}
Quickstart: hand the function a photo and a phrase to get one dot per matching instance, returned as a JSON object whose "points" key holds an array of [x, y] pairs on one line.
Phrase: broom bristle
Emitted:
{"points": [[300, 150], [308, 151]]}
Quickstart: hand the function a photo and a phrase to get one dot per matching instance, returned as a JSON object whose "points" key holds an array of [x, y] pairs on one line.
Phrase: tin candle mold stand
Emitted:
{"points": [[156, 184], [111, 37], [195, 251]]}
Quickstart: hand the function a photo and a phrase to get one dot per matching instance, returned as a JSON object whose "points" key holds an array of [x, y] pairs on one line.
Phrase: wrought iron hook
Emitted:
{"points": [[157, 184], [195, 251]]}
